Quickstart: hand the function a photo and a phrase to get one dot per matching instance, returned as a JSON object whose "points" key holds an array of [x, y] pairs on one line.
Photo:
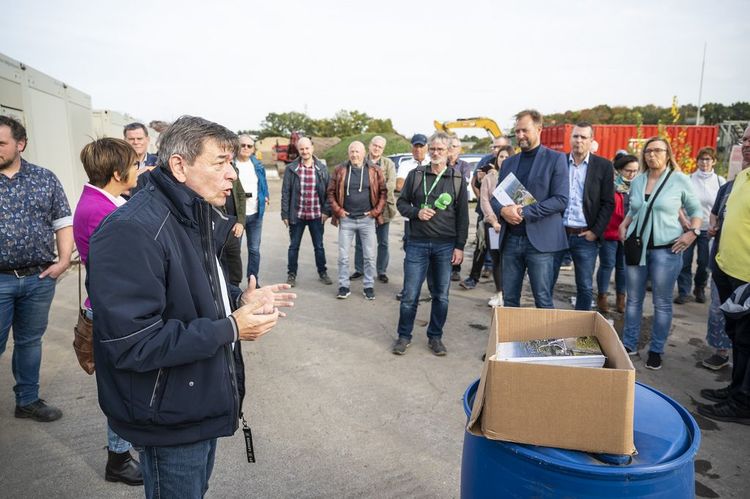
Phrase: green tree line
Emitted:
{"points": [[712, 113], [343, 124]]}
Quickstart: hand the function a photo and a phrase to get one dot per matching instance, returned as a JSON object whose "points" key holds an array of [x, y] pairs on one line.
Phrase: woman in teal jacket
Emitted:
{"points": [[663, 243]]}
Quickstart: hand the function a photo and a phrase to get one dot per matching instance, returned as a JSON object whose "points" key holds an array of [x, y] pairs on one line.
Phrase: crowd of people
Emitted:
{"points": [[160, 237]]}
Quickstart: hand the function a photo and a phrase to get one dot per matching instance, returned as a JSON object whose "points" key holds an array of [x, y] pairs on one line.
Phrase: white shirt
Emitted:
{"points": [[408, 165], [117, 201], [249, 181], [706, 187]]}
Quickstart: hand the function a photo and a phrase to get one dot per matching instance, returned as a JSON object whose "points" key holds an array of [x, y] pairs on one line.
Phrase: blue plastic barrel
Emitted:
{"points": [[666, 438]]}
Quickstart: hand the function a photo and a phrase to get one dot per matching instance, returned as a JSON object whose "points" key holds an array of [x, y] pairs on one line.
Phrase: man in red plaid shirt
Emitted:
{"points": [[304, 204]]}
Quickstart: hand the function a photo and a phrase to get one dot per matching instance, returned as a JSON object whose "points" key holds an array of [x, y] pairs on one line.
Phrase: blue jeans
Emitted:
{"points": [[583, 253], [701, 271], [382, 262], [296, 231], [421, 254], [716, 334], [518, 256], [24, 305], [364, 229], [662, 267], [253, 228], [179, 471], [611, 257]]}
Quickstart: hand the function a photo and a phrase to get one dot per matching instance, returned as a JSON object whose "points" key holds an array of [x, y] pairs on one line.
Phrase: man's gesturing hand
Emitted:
{"points": [[253, 318], [277, 299]]}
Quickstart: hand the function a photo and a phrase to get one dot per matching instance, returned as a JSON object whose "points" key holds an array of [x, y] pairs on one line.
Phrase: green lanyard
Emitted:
{"points": [[434, 183]]}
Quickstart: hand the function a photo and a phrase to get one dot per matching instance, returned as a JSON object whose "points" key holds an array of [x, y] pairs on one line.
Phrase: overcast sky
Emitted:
{"points": [[413, 62]]}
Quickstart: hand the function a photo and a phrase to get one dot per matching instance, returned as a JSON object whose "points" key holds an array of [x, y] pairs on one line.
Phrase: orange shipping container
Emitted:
{"points": [[611, 138]]}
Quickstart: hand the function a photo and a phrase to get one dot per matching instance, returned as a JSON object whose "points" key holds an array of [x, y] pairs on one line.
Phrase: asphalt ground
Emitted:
{"points": [[333, 412]]}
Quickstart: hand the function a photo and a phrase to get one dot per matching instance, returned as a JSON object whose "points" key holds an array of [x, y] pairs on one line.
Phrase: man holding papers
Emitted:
{"points": [[533, 208]]}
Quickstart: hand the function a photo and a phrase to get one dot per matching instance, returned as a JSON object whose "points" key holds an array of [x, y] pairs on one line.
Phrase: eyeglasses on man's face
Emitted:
{"points": [[438, 149], [247, 146]]}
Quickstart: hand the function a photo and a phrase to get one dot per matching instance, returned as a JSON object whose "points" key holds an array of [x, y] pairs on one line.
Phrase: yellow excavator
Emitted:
{"points": [[480, 122]]}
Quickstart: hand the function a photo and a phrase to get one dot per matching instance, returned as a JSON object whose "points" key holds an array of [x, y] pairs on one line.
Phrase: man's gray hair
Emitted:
{"points": [[187, 136], [443, 137], [379, 138]]}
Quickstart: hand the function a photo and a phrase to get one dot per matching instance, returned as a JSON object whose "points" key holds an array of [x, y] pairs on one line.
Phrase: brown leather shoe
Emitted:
{"points": [[621, 302], [601, 303]]}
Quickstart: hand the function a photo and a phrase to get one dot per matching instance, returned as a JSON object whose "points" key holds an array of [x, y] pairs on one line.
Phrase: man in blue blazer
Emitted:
{"points": [[532, 235]]}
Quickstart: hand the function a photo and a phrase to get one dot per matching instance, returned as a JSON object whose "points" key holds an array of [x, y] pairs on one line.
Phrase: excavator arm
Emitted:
{"points": [[480, 122]]}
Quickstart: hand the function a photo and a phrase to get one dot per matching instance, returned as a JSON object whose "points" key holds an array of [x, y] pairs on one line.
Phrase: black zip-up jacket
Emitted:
{"points": [[165, 369], [448, 225]]}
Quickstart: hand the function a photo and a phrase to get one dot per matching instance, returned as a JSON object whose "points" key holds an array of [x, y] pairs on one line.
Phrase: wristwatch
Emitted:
{"points": [[697, 232]]}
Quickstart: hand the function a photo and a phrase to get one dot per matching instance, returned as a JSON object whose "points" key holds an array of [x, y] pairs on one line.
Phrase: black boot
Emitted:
{"points": [[123, 468]]}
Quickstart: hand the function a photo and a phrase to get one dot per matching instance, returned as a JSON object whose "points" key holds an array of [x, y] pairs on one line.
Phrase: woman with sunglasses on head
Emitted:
{"points": [[658, 241]]}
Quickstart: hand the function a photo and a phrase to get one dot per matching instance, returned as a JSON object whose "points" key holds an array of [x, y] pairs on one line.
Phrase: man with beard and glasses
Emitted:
{"points": [[435, 200], [34, 218], [533, 234]]}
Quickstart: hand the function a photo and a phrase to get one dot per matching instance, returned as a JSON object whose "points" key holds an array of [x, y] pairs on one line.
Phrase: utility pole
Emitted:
{"points": [[700, 89]]}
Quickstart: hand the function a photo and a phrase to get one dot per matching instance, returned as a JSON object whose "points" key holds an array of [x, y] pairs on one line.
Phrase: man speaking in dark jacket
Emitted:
{"points": [[435, 200], [168, 361]]}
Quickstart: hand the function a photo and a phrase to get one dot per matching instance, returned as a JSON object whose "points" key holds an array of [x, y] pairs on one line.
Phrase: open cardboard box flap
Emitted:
{"points": [[556, 406]]}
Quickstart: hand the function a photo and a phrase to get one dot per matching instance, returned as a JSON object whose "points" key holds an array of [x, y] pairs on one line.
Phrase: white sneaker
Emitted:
{"points": [[496, 300]]}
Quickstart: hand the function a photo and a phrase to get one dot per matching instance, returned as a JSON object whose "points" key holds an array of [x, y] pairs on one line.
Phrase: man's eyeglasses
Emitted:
{"points": [[655, 150], [437, 149], [248, 146]]}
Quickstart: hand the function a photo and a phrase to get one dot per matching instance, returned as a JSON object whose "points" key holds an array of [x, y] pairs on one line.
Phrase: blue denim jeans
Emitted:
{"points": [[24, 305], [583, 253], [383, 257], [716, 334], [296, 231], [253, 229], [421, 254], [519, 255], [701, 271], [179, 471], [611, 257], [364, 229], [662, 267]]}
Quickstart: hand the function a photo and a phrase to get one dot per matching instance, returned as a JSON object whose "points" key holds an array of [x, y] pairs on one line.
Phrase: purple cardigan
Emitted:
{"points": [[92, 208]]}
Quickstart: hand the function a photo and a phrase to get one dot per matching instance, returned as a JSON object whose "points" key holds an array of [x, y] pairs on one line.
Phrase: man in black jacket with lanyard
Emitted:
{"points": [[590, 206], [169, 368], [434, 199]]}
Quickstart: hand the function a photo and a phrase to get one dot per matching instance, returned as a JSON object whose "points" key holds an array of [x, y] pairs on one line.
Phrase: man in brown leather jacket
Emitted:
{"points": [[356, 195]]}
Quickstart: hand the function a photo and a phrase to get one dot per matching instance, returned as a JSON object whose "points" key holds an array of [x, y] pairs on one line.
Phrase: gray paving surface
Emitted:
{"points": [[333, 412]]}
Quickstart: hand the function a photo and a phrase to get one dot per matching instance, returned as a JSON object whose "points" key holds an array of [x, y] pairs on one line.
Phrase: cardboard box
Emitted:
{"points": [[556, 406]]}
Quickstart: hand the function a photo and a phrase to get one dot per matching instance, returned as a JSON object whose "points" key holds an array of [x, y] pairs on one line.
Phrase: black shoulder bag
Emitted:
{"points": [[633, 245]]}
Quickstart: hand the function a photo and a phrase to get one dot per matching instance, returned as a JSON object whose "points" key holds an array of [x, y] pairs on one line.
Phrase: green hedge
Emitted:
{"points": [[395, 144]]}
